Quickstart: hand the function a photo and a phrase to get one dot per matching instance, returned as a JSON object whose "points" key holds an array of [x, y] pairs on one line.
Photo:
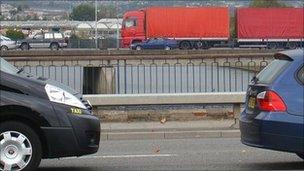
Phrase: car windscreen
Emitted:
{"points": [[272, 71], [7, 67]]}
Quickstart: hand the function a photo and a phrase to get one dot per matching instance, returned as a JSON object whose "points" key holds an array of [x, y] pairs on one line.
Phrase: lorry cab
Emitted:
{"points": [[133, 30], [41, 118]]}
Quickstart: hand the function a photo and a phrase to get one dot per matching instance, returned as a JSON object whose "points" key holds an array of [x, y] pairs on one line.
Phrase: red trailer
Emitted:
{"points": [[270, 27], [192, 27]]}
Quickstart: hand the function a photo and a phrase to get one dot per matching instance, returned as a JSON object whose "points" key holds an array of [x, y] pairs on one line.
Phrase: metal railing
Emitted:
{"points": [[185, 73]]}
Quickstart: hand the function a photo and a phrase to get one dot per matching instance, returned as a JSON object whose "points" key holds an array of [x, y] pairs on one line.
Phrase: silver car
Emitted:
{"points": [[6, 43]]}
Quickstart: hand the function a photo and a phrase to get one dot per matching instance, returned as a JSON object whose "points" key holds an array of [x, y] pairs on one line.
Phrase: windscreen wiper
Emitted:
{"points": [[20, 70]]}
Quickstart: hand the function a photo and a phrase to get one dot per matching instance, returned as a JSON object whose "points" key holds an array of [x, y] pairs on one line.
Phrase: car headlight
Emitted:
{"points": [[59, 95]]}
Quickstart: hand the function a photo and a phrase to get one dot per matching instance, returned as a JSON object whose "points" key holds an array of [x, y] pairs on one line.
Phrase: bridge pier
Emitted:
{"points": [[99, 80]]}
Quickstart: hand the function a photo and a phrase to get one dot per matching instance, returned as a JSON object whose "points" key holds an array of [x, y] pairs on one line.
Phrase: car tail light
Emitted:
{"points": [[270, 101]]}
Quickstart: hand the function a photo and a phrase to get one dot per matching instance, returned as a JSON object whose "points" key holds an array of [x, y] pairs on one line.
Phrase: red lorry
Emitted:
{"points": [[270, 27], [204, 27], [191, 27]]}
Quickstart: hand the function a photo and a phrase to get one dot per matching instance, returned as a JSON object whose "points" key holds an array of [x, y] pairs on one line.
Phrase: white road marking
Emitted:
{"points": [[123, 156]]}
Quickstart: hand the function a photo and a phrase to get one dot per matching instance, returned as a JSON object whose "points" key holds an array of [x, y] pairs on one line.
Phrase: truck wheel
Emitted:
{"points": [[301, 155], [54, 46], [292, 45], [24, 46], [198, 44], [138, 48], [4, 48], [184, 45], [205, 45], [20, 147], [272, 46]]}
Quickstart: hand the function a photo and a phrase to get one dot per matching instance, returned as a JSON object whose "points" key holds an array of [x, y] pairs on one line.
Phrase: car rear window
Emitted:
{"points": [[58, 36], [300, 75], [48, 36], [272, 71]]}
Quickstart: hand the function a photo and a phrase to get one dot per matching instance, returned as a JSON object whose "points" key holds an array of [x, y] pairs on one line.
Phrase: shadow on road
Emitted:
{"points": [[297, 165]]}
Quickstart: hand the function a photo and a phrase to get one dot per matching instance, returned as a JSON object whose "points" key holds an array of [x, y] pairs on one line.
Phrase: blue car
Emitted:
{"points": [[274, 116], [165, 44]]}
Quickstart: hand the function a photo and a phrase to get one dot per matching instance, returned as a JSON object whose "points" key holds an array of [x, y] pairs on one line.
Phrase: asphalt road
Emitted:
{"points": [[177, 154]]}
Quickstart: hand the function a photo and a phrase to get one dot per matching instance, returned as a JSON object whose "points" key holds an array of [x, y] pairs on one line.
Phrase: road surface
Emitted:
{"points": [[177, 154]]}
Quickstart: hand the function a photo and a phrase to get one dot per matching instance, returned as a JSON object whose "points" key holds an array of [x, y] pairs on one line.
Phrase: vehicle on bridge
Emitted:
{"points": [[206, 27], [41, 118], [159, 43], [274, 113], [178, 23], [52, 40], [7, 44]]}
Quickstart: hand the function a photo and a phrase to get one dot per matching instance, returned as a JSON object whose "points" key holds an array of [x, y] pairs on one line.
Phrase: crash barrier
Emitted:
{"points": [[232, 98], [145, 72]]}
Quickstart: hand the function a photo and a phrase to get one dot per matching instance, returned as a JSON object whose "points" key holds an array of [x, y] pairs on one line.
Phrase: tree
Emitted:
{"points": [[86, 12], [107, 11], [14, 34], [266, 3], [83, 12], [232, 27]]}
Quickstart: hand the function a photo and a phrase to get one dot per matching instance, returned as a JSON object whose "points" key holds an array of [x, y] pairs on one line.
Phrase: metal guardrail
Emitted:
{"points": [[145, 72], [81, 54]]}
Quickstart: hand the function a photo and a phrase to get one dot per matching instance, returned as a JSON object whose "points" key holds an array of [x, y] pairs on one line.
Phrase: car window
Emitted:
{"points": [[300, 75], [58, 36], [38, 36], [160, 41], [5, 38], [48, 35], [152, 41], [270, 72], [130, 23]]}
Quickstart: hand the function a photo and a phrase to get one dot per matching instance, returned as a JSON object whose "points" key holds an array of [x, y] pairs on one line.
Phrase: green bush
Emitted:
{"points": [[267, 3], [14, 34]]}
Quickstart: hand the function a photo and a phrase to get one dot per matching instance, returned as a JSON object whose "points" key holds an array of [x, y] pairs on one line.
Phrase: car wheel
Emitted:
{"points": [[138, 47], [167, 48], [20, 147], [301, 155], [54, 46], [4, 48], [24, 46]]}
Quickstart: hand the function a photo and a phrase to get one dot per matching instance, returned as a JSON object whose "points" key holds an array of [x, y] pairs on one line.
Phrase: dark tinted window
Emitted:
{"points": [[270, 72], [300, 75]]}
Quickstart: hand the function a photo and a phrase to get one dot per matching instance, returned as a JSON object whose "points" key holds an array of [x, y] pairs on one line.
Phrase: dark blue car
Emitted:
{"points": [[274, 114], [165, 44]]}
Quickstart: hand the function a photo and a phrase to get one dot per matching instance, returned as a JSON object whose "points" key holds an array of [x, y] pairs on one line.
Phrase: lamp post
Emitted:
{"points": [[96, 41], [117, 27]]}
